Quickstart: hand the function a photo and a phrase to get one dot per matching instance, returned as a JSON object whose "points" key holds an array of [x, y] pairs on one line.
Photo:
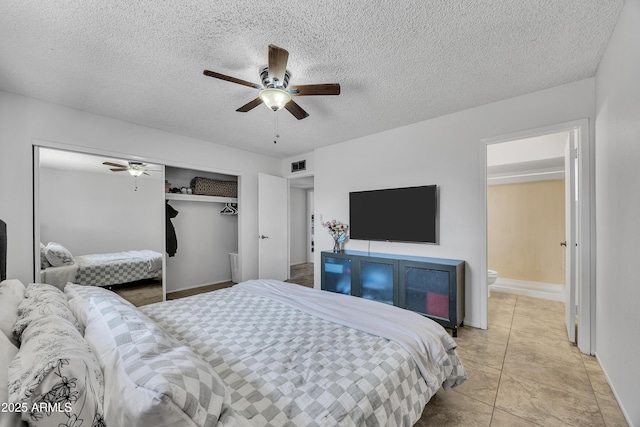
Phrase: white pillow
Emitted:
{"points": [[79, 297], [7, 353], [11, 295], [151, 379], [55, 365], [44, 262], [41, 300], [58, 255]]}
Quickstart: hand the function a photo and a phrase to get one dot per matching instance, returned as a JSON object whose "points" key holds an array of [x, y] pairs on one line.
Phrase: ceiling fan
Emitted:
{"points": [[275, 91], [134, 168]]}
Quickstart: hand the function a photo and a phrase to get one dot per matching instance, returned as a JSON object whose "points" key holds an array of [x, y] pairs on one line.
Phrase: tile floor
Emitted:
{"points": [[302, 274], [524, 372]]}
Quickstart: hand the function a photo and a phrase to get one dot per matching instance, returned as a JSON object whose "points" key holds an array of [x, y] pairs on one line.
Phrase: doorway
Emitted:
{"points": [[531, 156], [301, 230]]}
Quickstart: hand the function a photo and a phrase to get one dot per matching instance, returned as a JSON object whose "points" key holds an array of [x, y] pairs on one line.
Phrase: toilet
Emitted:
{"points": [[492, 276]]}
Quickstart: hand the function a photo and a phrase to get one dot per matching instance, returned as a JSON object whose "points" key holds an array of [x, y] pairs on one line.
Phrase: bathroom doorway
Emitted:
{"points": [[538, 208]]}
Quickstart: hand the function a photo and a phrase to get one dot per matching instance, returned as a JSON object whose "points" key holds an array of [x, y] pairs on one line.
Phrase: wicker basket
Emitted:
{"points": [[212, 187]]}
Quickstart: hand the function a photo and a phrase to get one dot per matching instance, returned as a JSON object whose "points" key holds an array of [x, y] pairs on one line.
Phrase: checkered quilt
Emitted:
{"points": [[119, 267], [105, 269], [288, 368]]}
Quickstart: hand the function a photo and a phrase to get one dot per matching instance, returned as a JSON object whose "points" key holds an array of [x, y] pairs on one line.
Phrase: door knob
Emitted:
{"points": [[262, 236], [563, 243]]}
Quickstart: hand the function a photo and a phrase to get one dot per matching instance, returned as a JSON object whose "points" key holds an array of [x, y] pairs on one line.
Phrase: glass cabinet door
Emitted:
{"points": [[337, 275], [427, 291], [376, 281]]}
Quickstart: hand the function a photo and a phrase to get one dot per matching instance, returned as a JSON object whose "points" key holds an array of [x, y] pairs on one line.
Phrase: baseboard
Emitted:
{"points": [[550, 291], [625, 414], [298, 263], [186, 288], [471, 324]]}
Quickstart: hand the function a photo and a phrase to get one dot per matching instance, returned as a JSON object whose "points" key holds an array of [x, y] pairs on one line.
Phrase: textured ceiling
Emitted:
{"points": [[397, 62]]}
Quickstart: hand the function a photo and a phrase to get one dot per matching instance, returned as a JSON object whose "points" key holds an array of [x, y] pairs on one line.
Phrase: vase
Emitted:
{"points": [[336, 245]]}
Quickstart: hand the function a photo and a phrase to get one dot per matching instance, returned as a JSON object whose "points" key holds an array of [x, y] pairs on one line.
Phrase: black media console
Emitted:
{"points": [[433, 287]]}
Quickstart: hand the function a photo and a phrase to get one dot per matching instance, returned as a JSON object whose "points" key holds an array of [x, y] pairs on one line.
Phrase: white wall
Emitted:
{"points": [[92, 213], [528, 149], [23, 120], [205, 239], [310, 165], [298, 232], [446, 151], [618, 210]]}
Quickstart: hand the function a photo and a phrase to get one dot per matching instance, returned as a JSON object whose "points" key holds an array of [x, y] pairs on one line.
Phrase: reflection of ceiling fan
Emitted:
{"points": [[134, 168], [274, 92]]}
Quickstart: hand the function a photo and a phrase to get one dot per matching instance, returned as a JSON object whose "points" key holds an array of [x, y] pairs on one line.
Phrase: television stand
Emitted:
{"points": [[433, 287]]}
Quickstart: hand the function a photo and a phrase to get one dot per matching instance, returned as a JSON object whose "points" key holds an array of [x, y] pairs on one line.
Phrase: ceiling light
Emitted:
{"points": [[135, 172], [275, 99]]}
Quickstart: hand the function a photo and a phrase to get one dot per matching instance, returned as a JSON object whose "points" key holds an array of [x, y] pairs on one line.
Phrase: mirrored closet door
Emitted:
{"points": [[99, 222]]}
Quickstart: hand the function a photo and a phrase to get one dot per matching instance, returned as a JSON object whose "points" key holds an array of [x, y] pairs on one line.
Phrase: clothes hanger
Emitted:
{"points": [[229, 209]]}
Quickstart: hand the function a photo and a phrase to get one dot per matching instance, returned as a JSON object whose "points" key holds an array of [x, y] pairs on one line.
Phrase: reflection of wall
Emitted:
{"points": [[298, 225], [96, 213], [525, 228], [205, 239]]}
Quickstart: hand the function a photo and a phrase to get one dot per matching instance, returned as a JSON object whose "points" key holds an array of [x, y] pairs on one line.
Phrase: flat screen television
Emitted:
{"points": [[398, 214]]}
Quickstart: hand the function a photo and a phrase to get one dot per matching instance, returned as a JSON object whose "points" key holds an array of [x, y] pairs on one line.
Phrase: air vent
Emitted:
{"points": [[299, 166]]}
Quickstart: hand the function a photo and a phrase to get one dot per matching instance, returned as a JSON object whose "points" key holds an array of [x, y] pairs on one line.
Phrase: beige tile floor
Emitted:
{"points": [[524, 372]]}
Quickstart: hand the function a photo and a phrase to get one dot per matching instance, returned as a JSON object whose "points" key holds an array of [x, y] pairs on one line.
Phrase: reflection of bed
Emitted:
{"points": [[105, 269]]}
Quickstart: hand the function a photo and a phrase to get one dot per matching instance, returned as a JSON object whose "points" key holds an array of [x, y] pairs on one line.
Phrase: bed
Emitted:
{"points": [[97, 269], [261, 353]]}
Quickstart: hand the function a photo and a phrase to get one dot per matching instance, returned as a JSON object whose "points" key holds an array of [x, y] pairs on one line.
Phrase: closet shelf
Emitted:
{"points": [[198, 198]]}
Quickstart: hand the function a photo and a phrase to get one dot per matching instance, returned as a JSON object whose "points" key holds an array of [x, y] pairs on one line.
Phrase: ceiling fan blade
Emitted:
{"points": [[296, 110], [278, 58], [120, 170], [250, 105], [114, 164], [231, 79], [144, 173], [321, 89]]}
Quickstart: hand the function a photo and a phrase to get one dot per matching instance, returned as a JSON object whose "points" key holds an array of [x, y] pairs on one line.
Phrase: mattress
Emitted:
{"points": [[286, 367]]}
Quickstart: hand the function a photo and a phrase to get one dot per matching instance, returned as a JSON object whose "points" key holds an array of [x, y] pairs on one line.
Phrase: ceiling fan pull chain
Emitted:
{"points": [[276, 127]]}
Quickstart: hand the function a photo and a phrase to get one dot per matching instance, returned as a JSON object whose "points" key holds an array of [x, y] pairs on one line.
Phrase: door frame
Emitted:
{"points": [[309, 212], [585, 237]]}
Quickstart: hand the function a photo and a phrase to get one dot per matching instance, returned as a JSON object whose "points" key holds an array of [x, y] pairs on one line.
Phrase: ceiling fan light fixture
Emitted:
{"points": [[274, 98], [135, 172]]}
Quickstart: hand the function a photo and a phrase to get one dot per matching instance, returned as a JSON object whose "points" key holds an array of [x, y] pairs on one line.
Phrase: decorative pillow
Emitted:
{"points": [[41, 300], [58, 255], [44, 262], [7, 353], [11, 295], [151, 379], [79, 297], [56, 377]]}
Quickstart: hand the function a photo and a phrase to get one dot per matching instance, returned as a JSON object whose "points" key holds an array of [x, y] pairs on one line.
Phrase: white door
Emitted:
{"points": [[570, 236], [273, 235]]}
